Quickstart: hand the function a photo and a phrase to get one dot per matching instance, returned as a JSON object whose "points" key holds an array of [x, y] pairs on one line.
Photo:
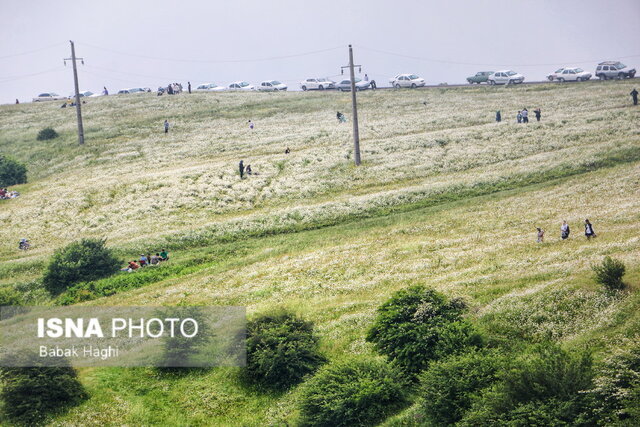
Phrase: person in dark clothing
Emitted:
{"points": [[105, 92], [169, 90], [166, 126], [189, 86], [588, 230], [634, 95], [241, 168], [248, 170], [498, 116], [538, 113], [373, 85], [17, 102], [287, 151], [341, 117]]}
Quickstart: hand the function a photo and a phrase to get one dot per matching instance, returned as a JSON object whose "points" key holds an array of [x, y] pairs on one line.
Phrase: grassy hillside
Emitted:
{"points": [[445, 197]]}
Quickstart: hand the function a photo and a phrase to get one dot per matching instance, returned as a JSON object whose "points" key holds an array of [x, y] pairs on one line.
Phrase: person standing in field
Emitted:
{"points": [[519, 117], [538, 113], [540, 235], [588, 230], [189, 86], [525, 116], [634, 95], [498, 116], [166, 126], [366, 78], [564, 230], [373, 85], [241, 169]]}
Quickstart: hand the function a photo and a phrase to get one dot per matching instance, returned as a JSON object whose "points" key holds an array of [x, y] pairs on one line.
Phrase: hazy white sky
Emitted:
{"points": [[129, 43]]}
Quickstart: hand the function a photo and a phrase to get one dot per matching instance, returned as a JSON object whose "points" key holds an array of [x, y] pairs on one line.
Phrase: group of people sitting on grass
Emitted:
{"points": [[565, 230], [6, 194], [146, 260]]}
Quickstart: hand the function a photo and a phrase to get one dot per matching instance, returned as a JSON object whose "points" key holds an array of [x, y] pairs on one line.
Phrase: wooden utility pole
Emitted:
{"points": [[75, 82], [354, 108]]}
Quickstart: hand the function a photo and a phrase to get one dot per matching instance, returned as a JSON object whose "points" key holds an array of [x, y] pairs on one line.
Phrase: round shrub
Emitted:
{"points": [[46, 134], [448, 386], [609, 273], [81, 261], [30, 394], [281, 350], [357, 391], [418, 325], [12, 172]]}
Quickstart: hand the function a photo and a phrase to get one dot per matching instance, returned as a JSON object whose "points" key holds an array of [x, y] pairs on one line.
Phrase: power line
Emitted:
{"points": [[217, 61], [481, 64], [24, 76], [13, 55]]}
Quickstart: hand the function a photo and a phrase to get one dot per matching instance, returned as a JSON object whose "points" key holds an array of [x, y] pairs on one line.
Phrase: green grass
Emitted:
{"points": [[445, 197]]}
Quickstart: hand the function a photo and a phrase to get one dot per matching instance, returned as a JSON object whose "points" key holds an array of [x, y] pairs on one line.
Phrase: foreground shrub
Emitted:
{"points": [[30, 394], [82, 261], [609, 273], [616, 388], [12, 172], [358, 391], [543, 386], [418, 325], [9, 297], [448, 386], [46, 134], [281, 350]]}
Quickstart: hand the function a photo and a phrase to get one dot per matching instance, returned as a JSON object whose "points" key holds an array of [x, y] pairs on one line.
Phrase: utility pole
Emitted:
{"points": [[75, 82], [354, 108]]}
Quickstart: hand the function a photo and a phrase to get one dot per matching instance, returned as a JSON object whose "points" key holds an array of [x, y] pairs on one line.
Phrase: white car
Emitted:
{"points": [[48, 96], [132, 90], [86, 94], [505, 77], [210, 87], [407, 80], [319, 84], [271, 86], [569, 74], [241, 86]]}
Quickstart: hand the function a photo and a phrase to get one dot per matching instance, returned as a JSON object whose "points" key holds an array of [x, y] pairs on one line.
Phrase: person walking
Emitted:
{"points": [[540, 235], [525, 116], [17, 102], [498, 116], [241, 168], [166, 126], [519, 117], [634, 95], [588, 230], [538, 113], [105, 92], [373, 85], [189, 86], [564, 230], [366, 78]]}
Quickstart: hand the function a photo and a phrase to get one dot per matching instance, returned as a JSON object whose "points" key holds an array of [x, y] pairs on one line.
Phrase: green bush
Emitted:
{"points": [[9, 297], [281, 350], [30, 394], [357, 391], [81, 261], [543, 386], [448, 386], [616, 388], [418, 325], [46, 134], [609, 273], [12, 172]]}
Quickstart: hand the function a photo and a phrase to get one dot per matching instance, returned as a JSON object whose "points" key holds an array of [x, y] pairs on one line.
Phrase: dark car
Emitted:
{"points": [[480, 77]]}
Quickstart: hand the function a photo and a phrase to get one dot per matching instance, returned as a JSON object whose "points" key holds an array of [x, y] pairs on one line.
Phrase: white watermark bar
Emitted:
{"points": [[183, 337]]}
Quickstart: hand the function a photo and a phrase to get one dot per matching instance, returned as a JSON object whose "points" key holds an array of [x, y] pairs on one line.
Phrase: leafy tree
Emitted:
{"points": [[12, 172], [281, 350], [356, 391], [81, 261], [418, 325], [543, 386], [447, 388], [30, 394], [609, 273]]}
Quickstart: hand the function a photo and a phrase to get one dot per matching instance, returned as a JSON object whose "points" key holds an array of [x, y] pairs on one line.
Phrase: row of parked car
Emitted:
{"points": [[604, 71]]}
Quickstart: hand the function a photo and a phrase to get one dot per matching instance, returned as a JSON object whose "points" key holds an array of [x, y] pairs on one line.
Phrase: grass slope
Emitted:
{"points": [[445, 197]]}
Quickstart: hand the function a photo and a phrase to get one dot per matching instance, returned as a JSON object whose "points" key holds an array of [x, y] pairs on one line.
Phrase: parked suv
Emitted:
{"points": [[480, 77], [614, 70]]}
